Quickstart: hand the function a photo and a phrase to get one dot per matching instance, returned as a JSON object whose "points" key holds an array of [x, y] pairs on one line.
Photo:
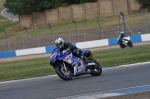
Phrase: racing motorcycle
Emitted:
{"points": [[67, 65], [125, 42]]}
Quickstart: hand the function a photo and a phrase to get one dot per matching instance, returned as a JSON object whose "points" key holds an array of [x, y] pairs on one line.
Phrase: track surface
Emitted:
{"points": [[9, 15], [51, 87]]}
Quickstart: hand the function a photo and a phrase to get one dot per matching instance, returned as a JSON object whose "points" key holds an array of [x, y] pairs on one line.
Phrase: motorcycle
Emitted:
{"points": [[125, 42], [68, 66]]}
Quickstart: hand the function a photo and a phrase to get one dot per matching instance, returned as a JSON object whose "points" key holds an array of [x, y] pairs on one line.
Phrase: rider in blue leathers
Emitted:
{"points": [[62, 45]]}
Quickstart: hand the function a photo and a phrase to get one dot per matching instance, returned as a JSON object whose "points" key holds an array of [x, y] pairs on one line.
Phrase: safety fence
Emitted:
{"points": [[76, 31], [82, 45]]}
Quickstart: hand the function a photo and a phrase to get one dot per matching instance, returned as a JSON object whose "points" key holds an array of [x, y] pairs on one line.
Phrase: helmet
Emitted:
{"points": [[59, 42], [121, 32]]}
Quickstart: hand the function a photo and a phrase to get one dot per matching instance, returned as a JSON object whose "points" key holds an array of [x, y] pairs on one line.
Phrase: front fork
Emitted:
{"points": [[66, 72], [65, 67]]}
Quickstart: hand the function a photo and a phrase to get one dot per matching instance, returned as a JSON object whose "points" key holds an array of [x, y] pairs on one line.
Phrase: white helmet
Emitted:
{"points": [[121, 32], [59, 42]]}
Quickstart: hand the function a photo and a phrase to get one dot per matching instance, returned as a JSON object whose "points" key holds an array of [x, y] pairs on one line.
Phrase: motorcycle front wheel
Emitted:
{"points": [[130, 44], [62, 72]]}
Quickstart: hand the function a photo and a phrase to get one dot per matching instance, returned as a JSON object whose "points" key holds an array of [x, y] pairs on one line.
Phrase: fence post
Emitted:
{"points": [[69, 36], [146, 22], [51, 33], [27, 36], [99, 29], [23, 44], [134, 28], [84, 36], [6, 40], [75, 27], [53, 40], [102, 34], [123, 22], [38, 42]]}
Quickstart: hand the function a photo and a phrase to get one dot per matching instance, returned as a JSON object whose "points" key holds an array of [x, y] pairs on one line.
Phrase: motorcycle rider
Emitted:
{"points": [[62, 45], [121, 37]]}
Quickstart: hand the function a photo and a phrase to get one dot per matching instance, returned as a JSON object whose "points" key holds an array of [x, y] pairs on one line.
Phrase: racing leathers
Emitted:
{"points": [[75, 51]]}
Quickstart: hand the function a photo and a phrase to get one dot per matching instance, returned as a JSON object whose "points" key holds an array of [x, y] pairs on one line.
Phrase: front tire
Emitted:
{"points": [[130, 44], [97, 69], [62, 73]]}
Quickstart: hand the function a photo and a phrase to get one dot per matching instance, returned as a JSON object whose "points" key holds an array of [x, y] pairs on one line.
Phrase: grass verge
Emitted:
{"points": [[6, 23], [40, 67]]}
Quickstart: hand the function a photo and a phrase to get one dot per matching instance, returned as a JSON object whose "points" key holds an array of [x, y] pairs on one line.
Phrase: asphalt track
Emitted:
{"points": [[8, 15], [51, 87]]}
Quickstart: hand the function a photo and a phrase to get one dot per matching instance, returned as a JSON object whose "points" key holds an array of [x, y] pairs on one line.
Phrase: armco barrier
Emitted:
{"points": [[91, 44], [135, 38], [112, 41], [1, 55], [49, 49], [82, 45], [145, 37], [30, 51], [8, 54]]}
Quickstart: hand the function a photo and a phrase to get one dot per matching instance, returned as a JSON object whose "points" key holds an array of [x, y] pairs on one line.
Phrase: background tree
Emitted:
{"points": [[144, 3], [70, 2], [28, 6]]}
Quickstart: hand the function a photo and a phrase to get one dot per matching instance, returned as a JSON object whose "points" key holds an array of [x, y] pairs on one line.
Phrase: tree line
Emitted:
{"points": [[28, 6]]}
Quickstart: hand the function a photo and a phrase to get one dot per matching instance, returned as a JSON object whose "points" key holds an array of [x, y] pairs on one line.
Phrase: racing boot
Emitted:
{"points": [[85, 60]]}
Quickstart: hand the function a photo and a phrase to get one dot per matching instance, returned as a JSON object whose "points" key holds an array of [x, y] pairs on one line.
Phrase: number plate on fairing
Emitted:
{"points": [[68, 59]]}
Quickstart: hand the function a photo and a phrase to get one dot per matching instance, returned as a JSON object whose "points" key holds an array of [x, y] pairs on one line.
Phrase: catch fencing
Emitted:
{"points": [[76, 31]]}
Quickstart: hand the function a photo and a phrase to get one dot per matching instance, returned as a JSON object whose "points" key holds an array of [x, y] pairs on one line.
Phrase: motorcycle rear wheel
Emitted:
{"points": [[62, 73], [97, 69], [121, 46]]}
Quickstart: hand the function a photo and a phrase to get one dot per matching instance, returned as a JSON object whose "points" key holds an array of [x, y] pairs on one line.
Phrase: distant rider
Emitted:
{"points": [[121, 35], [62, 45]]}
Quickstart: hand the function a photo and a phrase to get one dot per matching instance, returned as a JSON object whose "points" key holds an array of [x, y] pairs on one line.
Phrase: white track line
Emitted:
{"points": [[4, 15], [110, 93]]}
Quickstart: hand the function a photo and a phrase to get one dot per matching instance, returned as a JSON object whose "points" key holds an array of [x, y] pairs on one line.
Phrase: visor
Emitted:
{"points": [[59, 45]]}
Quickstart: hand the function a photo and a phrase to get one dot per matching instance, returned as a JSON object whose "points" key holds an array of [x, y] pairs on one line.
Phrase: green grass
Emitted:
{"points": [[40, 67], [1, 4], [121, 57], [6, 23], [25, 69]]}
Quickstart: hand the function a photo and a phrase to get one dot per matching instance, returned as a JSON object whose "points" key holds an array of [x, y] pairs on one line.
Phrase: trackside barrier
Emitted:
{"points": [[49, 49], [7, 54], [82, 45], [30, 51], [91, 44], [136, 38], [145, 37]]}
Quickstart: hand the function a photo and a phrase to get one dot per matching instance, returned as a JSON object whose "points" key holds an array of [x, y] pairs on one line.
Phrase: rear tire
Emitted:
{"points": [[60, 71], [97, 69], [121, 46]]}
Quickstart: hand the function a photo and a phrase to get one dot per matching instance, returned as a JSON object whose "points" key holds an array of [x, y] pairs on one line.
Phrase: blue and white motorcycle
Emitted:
{"points": [[67, 65]]}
